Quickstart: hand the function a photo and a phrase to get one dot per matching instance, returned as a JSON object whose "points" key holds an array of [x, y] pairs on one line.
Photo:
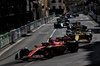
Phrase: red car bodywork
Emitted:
{"points": [[52, 47]]}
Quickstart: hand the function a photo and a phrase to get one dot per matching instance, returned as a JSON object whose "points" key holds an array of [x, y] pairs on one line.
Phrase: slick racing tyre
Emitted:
{"points": [[73, 47], [55, 26], [77, 15], [61, 50], [48, 53], [90, 37], [16, 56], [89, 40], [24, 52], [74, 16]]}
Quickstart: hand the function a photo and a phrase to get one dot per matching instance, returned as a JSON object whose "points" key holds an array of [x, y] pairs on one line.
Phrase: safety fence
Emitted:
{"points": [[14, 35], [94, 16]]}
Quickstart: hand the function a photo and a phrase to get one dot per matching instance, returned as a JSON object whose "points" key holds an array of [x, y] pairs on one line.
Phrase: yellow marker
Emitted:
{"points": [[77, 37]]}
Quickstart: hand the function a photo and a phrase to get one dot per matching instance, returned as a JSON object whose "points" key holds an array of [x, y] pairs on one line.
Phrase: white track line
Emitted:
{"points": [[81, 19], [94, 23], [52, 34], [87, 18]]}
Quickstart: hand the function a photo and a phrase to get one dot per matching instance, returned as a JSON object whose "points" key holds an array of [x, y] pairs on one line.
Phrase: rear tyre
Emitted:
{"points": [[16, 56], [73, 47], [55, 26], [61, 50], [48, 53]]}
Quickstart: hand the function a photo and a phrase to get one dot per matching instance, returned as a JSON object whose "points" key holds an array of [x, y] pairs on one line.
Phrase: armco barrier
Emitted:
{"points": [[23, 31], [19, 31], [93, 16], [31, 26], [46, 20], [38, 22], [35, 24], [27, 27], [50, 18], [15, 35], [5, 39], [12, 36], [43, 20], [98, 18]]}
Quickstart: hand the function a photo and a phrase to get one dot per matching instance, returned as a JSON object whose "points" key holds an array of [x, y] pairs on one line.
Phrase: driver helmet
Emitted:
{"points": [[57, 40], [25, 47]]}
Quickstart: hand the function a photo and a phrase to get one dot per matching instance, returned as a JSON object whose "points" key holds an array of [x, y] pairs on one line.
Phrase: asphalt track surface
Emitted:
{"points": [[88, 54]]}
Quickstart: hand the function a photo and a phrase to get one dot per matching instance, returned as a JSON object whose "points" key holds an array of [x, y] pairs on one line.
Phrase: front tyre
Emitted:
{"points": [[89, 40]]}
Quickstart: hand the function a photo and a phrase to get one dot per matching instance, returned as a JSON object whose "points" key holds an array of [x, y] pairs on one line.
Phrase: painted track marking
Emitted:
{"points": [[52, 34]]}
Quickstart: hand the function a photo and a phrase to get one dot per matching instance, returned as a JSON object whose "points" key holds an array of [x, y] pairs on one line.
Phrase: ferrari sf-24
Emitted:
{"points": [[47, 50]]}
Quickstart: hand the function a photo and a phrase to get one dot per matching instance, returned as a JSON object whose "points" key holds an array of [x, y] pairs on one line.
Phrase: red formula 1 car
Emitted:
{"points": [[47, 50]]}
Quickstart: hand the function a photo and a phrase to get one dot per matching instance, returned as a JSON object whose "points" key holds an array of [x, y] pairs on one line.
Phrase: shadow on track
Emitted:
{"points": [[94, 55]]}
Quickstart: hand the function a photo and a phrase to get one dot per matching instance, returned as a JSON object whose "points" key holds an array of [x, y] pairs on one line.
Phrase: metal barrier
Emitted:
{"points": [[46, 20], [43, 20], [19, 31], [12, 36], [98, 18], [32, 26], [35, 24], [27, 27], [38, 22], [93, 16], [5, 39], [23, 31], [15, 35]]}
